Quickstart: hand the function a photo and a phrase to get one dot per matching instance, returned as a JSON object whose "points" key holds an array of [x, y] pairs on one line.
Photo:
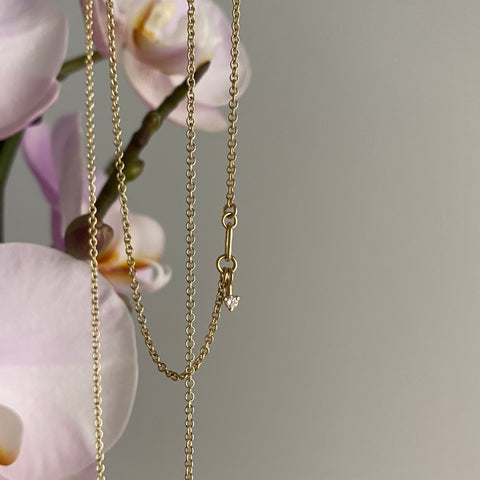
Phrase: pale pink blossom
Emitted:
{"points": [[152, 39], [55, 158], [46, 406], [33, 36]]}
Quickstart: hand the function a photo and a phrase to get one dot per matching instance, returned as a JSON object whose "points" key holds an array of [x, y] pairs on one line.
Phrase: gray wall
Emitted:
{"points": [[354, 353]]}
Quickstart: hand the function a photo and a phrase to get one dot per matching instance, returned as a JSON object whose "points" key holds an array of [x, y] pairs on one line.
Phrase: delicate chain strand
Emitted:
{"points": [[90, 135], [190, 239], [229, 221], [233, 105], [122, 188]]}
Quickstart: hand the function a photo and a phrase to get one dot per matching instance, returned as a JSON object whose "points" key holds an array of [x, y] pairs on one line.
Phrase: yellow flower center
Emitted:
{"points": [[159, 15]]}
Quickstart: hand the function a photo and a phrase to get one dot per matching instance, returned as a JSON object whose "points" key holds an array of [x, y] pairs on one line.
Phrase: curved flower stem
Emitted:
{"points": [[8, 150], [152, 121], [75, 64]]}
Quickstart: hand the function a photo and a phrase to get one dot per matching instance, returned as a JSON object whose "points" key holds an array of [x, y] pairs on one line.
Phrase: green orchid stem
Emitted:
{"points": [[8, 150], [152, 121], [75, 64]]}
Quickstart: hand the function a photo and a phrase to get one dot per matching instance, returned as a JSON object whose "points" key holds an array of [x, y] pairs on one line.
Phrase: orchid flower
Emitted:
{"points": [[46, 407], [55, 159], [152, 34], [33, 35]]}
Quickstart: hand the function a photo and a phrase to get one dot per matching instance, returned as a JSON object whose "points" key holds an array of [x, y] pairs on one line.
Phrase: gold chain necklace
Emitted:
{"points": [[226, 263]]}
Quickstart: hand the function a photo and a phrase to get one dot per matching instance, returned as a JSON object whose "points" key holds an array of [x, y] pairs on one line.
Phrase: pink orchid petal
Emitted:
{"points": [[45, 360], [207, 118], [169, 60], [37, 149], [151, 85], [168, 53], [156, 33], [155, 277], [151, 278], [148, 238], [143, 46], [58, 240], [171, 34], [55, 159], [69, 166], [100, 38], [109, 259], [89, 473], [33, 35], [11, 432], [213, 89]]}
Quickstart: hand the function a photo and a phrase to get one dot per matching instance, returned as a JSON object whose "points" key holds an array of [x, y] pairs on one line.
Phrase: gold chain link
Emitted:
{"points": [[190, 239], [233, 104], [229, 221], [229, 207], [90, 135]]}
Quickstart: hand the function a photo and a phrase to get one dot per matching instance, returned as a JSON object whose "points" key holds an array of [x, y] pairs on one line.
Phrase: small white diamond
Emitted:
{"points": [[232, 302]]}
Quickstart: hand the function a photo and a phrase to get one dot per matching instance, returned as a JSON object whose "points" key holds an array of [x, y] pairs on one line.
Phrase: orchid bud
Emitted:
{"points": [[77, 237]]}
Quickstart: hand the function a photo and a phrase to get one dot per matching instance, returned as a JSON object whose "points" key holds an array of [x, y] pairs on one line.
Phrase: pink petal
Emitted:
{"points": [[45, 360], [168, 54], [151, 278], [58, 240], [56, 161], [156, 34], [89, 473], [69, 166], [213, 89], [207, 118], [11, 432], [170, 31], [151, 85], [33, 35], [37, 149], [148, 238], [100, 22], [154, 277]]}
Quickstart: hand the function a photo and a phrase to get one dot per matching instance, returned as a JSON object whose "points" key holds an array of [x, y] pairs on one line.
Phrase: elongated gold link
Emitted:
{"points": [[90, 136], [190, 239]]}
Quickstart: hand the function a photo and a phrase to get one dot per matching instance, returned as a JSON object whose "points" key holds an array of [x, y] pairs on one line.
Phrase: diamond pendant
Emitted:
{"points": [[232, 302]]}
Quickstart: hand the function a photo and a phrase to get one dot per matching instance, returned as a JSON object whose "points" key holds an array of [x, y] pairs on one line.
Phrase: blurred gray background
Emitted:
{"points": [[354, 354]]}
